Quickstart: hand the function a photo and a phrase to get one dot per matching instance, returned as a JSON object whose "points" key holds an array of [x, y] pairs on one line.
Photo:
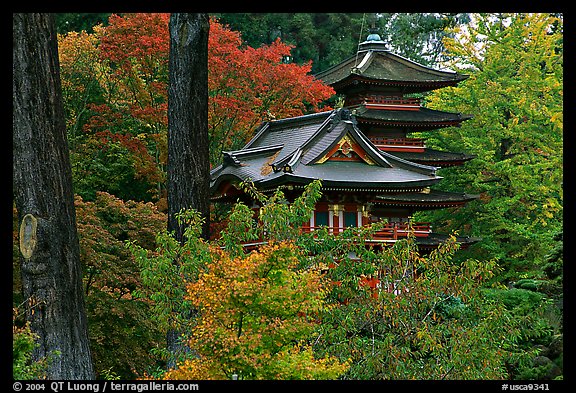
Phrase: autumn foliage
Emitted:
{"points": [[255, 316], [115, 89], [250, 85], [321, 306]]}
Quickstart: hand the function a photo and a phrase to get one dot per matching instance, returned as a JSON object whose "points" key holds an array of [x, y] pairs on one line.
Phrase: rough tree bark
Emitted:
{"points": [[42, 186], [188, 160], [188, 157]]}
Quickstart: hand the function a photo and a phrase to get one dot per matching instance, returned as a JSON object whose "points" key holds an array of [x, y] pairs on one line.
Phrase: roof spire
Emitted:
{"points": [[373, 36], [373, 41]]}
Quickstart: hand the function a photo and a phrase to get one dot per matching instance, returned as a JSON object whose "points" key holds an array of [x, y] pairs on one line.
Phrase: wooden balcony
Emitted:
{"points": [[390, 233]]}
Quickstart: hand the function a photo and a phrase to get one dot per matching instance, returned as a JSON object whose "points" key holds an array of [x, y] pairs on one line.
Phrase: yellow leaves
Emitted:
{"points": [[74, 46], [196, 369], [299, 363], [252, 307], [558, 120]]}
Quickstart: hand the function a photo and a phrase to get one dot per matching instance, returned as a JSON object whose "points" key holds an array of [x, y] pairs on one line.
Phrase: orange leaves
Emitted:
{"points": [[251, 311], [78, 55], [196, 369], [116, 80]]}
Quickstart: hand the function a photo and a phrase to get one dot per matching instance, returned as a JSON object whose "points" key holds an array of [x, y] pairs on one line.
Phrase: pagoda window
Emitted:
{"points": [[350, 219], [321, 216], [321, 219]]}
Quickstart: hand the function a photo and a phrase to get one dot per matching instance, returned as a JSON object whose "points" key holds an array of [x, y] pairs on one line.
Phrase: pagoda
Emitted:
{"points": [[370, 169]]}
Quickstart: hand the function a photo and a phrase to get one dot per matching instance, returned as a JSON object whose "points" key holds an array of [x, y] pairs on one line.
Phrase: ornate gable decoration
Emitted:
{"points": [[347, 149]]}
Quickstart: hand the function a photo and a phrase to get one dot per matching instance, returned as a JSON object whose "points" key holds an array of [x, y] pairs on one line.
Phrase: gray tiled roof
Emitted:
{"points": [[356, 174], [433, 240], [291, 132], [431, 156], [288, 150]]}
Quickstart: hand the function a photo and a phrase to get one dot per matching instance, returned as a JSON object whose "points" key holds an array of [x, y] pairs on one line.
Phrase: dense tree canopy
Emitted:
{"points": [[271, 314], [515, 93]]}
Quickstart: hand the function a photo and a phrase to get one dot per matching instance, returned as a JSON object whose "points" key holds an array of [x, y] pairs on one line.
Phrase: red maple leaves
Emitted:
{"points": [[246, 85]]}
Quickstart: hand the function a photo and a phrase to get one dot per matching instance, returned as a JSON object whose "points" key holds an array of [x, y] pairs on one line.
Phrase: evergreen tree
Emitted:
{"points": [[329, 38]]}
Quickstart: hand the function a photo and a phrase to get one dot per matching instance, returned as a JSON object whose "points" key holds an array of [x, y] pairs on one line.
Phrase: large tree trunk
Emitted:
{"points": [[188, 157], [42, 181], [188, 160]]}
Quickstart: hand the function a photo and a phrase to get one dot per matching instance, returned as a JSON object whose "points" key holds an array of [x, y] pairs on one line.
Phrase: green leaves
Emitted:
{"points": [[516, 97], [425, 319]]}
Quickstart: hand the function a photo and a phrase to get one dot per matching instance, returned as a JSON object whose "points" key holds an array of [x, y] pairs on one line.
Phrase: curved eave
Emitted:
{"points": [[449, 75], [354, 80], [373, 62], [327, 76], [411, 124], [435, 157], [421, 205], [346, 185], [215, 189], [443, 163], [431, 124], [413, 117], [432, 199], [434, 240]]}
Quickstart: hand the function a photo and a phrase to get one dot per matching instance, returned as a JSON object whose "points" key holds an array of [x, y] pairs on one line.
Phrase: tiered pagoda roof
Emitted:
{"points": [[419, 118], [376, 66], [330, 147], [426, 199], [435, 157], [375, 83]]}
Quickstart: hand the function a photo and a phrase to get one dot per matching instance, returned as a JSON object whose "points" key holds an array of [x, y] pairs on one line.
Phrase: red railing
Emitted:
{"points": [[398, 144], [384, 100], [391, 231]]}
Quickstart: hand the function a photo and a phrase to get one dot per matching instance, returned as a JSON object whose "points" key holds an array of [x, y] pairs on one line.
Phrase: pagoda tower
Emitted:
{"points": [[380, 89], [370, 169]]}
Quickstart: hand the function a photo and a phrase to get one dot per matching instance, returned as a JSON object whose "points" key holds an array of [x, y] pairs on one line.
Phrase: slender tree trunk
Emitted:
{"points": [[42, 181], [188, 159]]}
